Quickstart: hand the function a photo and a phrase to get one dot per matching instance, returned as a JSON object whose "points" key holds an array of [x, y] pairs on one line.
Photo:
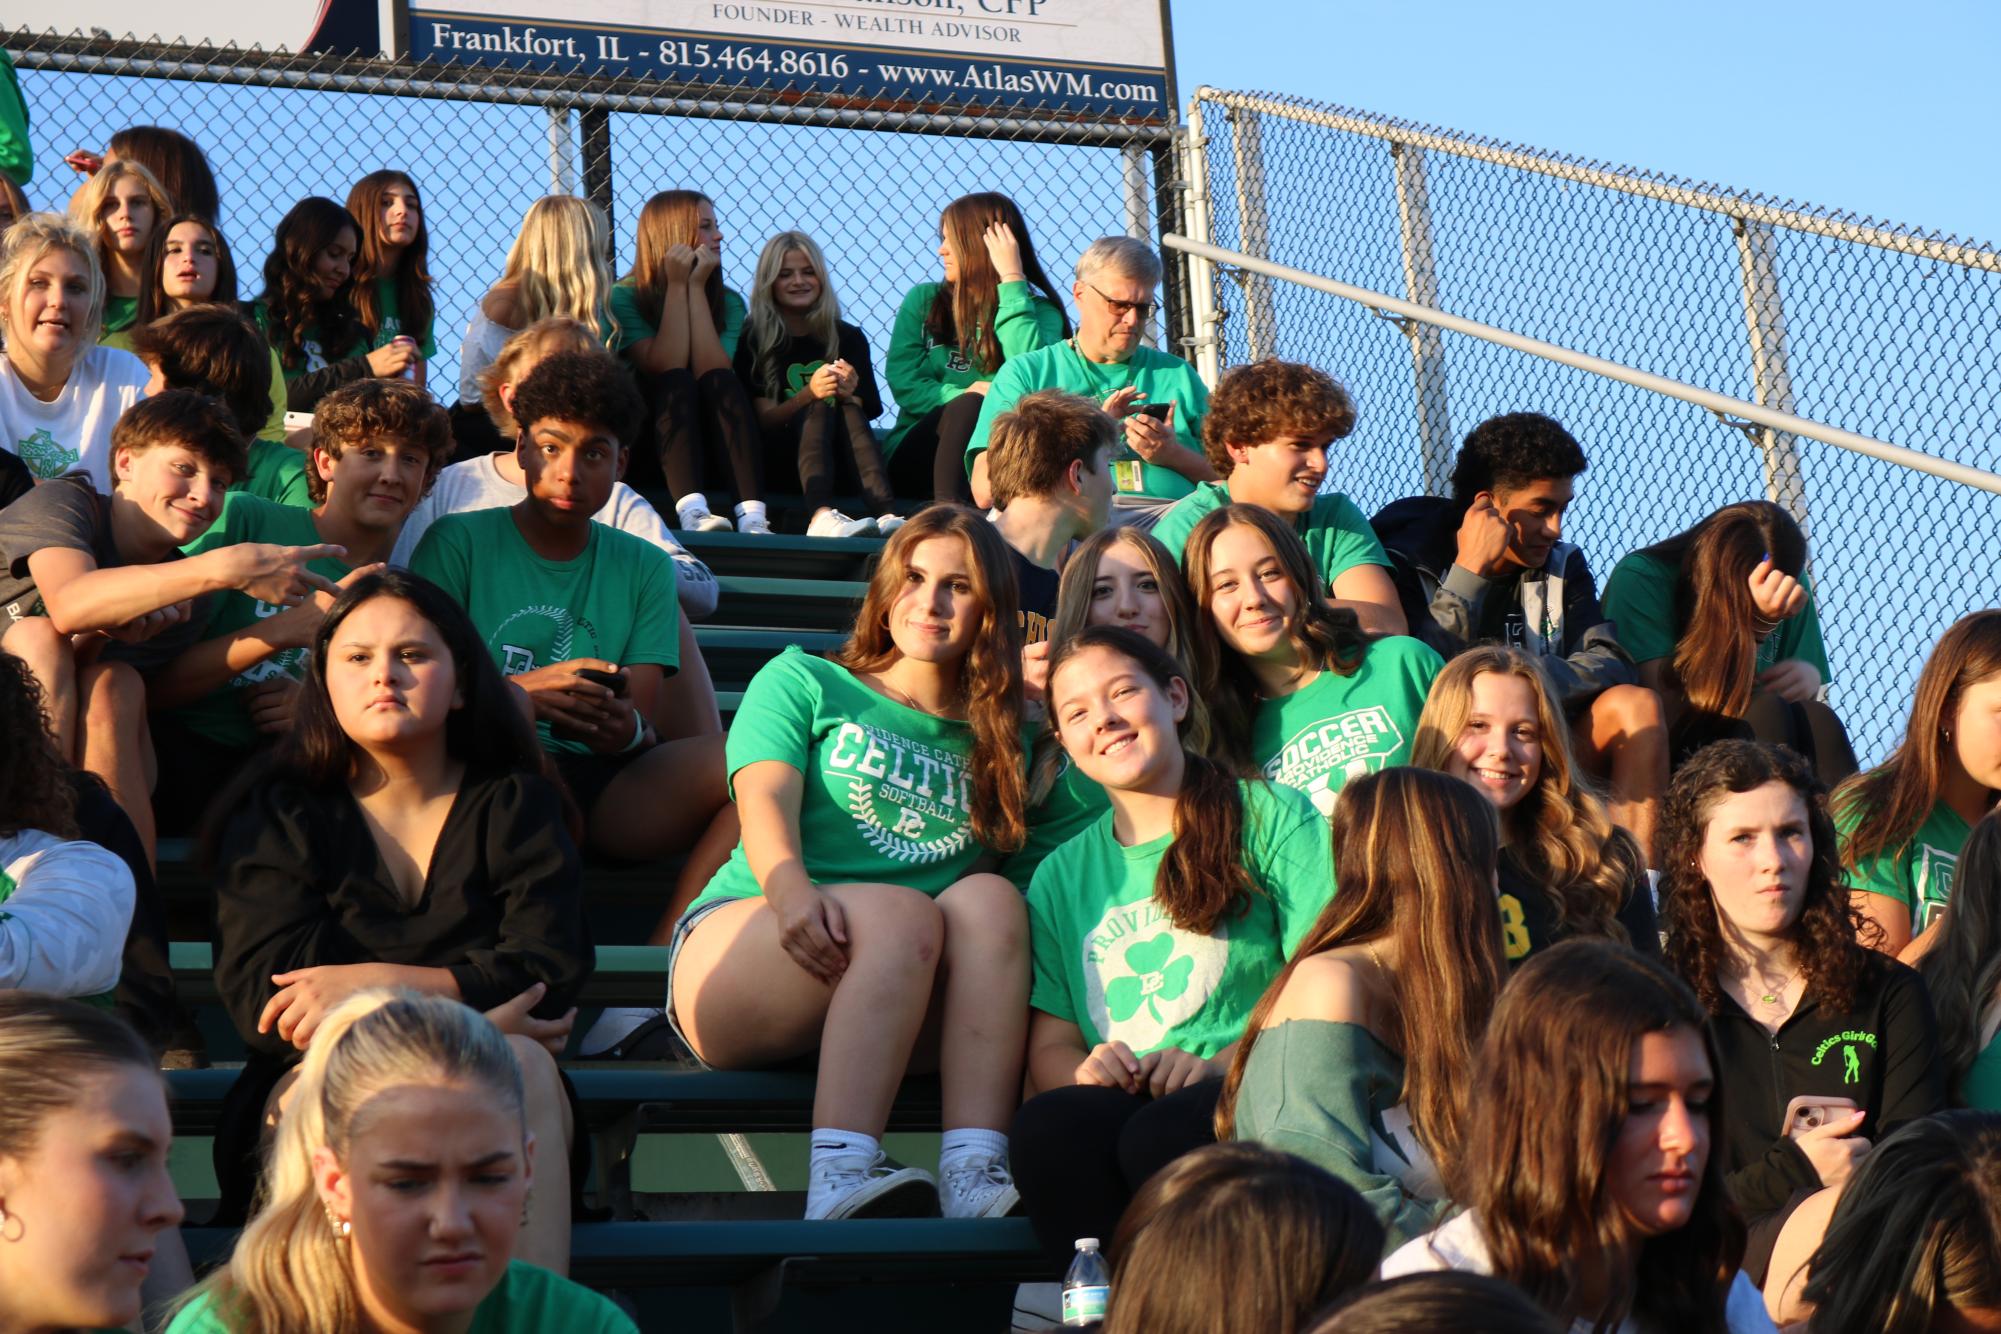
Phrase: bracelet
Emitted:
{"points": [[641, 733]]}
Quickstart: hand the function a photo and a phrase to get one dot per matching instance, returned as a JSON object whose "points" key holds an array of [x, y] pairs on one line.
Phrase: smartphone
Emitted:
{"points": [[1811, 1111], [1157, 411], [298, 421], [612, 681]]}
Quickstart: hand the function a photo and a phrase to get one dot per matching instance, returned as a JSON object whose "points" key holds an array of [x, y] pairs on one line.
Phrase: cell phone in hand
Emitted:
{"points": [[1157, 411], [1811, 1111], [612, 681]]}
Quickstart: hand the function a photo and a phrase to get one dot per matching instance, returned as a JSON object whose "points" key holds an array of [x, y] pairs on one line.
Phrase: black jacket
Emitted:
{"points": [[1452, 609], [1896, 1075], [300, 884]]}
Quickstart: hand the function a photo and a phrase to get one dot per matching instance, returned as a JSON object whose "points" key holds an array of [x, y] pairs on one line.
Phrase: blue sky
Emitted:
{"points": [[1865, 107]]}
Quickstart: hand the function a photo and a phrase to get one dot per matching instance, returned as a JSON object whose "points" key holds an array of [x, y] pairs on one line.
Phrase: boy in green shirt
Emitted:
{"points": [[1266, 434]]}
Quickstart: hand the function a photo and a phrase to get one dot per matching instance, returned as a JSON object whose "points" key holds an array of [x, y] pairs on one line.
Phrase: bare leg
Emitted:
{"points": [[984, 1030], [48, 655], [662, 802], [545, 1228], [1624, 739], [116, 744], [687, 705], [1799, 1238]]}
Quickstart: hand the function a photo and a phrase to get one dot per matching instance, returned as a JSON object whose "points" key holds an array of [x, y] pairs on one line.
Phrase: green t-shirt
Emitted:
{"points": [[1160, 378], [315, 356], [925, 374], [527, 1301], [391, 307], [1108, 959], [1981, 1089], [274, 425], [221, 715], [1639, 599], [120, 313], [1919, 874], [1336, 533], [277, 473], [615, 601], [886, 786], [1340, 727], [636, 328], [1074, 803]]}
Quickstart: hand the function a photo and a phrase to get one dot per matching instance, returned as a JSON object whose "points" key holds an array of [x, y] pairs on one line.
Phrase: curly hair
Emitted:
{"points": [[1512, 450], [35, 792], [522, 353], [292, 308], [580, 387], [1269, 400], [989, 678], [1825, 935], [365, 410]]}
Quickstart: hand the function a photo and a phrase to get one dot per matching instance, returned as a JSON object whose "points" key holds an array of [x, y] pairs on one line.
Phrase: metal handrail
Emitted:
{"points": [[1721, 404]]}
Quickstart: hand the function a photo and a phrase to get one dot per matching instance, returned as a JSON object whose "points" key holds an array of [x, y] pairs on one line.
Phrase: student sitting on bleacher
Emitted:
{"points": [[582, 616], [869, 787], [1267, 433], [402, 1187], [212, 349], [392, 282], [1051, 474], [376, 446], [121, 206], [82, 567], [404, 835], [307, 311]]}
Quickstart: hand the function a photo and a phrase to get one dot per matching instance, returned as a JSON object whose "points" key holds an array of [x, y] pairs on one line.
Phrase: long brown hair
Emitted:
{"points": [[153, 302], [1963, 972], [1895, 797], [1560, 831], [1202, 877], [1716, 624], [1824, 938], [414, 309], [1238, 1239], [1324, 638], [670, 218], [293, 310], [990, 676], [1414, 856], [35, 791], [1552, 1092], [962, 313]]}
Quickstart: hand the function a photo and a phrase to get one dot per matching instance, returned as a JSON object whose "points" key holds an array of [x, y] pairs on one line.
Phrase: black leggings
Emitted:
{"points": [[932, 452], [700, 424], [835, 450], [1080, 1154]]}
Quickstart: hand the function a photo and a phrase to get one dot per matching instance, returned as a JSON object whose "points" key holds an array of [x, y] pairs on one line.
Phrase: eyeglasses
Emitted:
{"points": [[1121, 309]]}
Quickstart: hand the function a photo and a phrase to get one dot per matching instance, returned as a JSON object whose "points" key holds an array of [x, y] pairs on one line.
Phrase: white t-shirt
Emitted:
{"points": [[477, 484], [65, 907], [1457, 1244], [481, 349], [72, 434]]}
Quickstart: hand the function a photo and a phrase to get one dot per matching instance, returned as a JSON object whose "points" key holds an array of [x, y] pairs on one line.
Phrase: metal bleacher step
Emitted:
{"points": [[783, 556], [770, 602], [734, 655]]}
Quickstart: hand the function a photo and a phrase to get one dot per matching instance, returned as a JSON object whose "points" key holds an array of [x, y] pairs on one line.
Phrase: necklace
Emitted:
{"points": [[908, 701]]}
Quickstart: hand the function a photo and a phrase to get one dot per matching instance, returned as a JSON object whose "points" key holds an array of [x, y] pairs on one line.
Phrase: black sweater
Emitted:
{"points": [[1528, 914], [301, 884], [1896, 1076]]}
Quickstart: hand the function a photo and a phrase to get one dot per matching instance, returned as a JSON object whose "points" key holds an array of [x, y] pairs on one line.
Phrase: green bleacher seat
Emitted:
{"points": [[735, 655], [793, 604], [783, 557]]}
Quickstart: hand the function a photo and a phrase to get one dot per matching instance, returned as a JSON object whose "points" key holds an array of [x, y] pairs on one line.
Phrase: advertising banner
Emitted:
{"points": [[270, 25]]}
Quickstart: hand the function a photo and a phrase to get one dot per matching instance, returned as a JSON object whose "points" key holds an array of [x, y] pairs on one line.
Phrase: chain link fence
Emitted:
{"points": [[867, 181], [1881, 331]]}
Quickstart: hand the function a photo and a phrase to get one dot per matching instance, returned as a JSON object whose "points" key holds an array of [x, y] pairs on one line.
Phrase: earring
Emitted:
{"points": [[340, 1227], [20, 1227]]}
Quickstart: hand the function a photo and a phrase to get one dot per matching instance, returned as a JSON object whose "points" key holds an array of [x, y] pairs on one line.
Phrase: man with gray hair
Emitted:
{"points": [[1156, 395]]}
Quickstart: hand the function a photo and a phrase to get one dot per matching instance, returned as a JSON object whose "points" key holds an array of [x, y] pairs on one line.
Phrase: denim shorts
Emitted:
{"points": [[681, 930]]}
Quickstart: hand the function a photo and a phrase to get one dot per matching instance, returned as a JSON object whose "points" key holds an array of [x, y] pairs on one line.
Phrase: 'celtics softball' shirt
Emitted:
{"points": [[1919, 874], [1341, 727], [1109, 960], [887, 786], [615, 601]]}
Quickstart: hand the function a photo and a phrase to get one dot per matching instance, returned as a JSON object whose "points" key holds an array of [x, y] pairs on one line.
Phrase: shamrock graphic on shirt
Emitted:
{"points": [[1156, 976], [1143, 976], [45, 456]]}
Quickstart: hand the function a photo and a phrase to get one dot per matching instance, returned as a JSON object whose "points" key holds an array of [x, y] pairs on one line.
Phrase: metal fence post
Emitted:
{"points": [[597, 161], [562, 155], [1170, 186], [1771, 381], [1206, 334], [1427, 345], [1132, 160], [1247, 156]]}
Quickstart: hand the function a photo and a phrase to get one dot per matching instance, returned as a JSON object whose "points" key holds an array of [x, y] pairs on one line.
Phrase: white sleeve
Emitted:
{"points": [[63, 929], [421, 518], [629, 512]]}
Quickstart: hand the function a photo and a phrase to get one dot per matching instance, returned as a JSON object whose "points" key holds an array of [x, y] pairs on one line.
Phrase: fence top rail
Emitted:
{"points": [[1721, 404], [78, 53], [1647, 185]]}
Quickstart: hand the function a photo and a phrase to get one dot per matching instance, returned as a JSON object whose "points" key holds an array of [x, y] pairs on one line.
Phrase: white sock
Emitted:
{"points": [[694, 501], [831, 1144], [614, 1026], [957, 1146], [750, 507]]}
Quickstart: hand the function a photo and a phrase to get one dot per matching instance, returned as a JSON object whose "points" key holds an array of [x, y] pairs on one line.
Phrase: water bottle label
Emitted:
{"points": [[1083, 1305]]}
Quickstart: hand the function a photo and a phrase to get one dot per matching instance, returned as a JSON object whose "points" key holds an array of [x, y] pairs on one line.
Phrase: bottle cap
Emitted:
{"points": [[1087, 1243]]}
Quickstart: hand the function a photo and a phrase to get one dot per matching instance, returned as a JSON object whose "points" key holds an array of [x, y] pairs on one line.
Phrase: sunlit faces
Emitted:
{"points": [[434, 1184], [188, 264], [1111, 312], [796, 289], [1118, 724], [1126, 592], [46, 311], [1756, 848], [708, 232], [1656, 1166], [1283, 475], [570, 467], [128, 217], [390, 676], [86, 1205], [1251, 598], [1976, 732], [1499, 750], [376, 483], [948, 257], [938, 611], [399, 216], [332, 266], [179, 490], [1534, 513]]}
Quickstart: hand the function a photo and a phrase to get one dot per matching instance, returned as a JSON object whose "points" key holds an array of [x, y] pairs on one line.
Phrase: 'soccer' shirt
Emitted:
{"points": [[1335, 532], [1919, 874], [1639, 600], [72, 434], [1340, 727]]}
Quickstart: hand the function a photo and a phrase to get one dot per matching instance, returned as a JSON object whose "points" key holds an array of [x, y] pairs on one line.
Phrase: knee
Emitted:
{"points": [[894, 924], [33, 639], [541, 1084], [112, 691], [987, 909], [1631, 709], [963, 411]]}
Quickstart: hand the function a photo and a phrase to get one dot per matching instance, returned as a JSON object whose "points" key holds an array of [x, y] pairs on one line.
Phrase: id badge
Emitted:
{"points": [[1127, 475]]}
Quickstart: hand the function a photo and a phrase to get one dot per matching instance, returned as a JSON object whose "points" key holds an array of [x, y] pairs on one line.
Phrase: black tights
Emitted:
{"points": [[818, 433], [932, 452], [699, 423], [1810, 728], [1080, 1154]]}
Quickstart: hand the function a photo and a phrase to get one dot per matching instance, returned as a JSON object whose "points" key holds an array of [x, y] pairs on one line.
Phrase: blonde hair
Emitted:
{"points": [[30, 238], [289, 1274], [560, 264], [545, 337], [89, 204], [766, 332]]}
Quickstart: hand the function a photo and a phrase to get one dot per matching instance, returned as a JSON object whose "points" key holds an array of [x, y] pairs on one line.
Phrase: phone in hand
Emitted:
{"points": [[1811, 1111], [1157, 411], [612, 681]]}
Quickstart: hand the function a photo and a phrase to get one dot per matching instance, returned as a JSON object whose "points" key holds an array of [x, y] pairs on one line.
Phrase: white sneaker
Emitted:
{"points": [[855, 1186], [977, 1188], [830, 522], [751, 523], [697, 519], [889, 523]]}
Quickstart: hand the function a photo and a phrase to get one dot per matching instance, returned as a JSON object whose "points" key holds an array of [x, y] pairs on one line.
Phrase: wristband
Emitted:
{"points": [[639, 737]]}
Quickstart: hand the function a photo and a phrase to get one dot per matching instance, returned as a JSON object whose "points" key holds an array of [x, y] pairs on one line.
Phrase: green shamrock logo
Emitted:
{"points": [[798, 373], [1156, 974]]}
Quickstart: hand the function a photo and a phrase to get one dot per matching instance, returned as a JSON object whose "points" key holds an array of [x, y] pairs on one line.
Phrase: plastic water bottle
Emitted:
{"points": [[1086, 1285]]}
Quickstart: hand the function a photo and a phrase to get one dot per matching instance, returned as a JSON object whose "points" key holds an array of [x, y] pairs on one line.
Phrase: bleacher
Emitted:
{"points": [[699, 1175]]}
